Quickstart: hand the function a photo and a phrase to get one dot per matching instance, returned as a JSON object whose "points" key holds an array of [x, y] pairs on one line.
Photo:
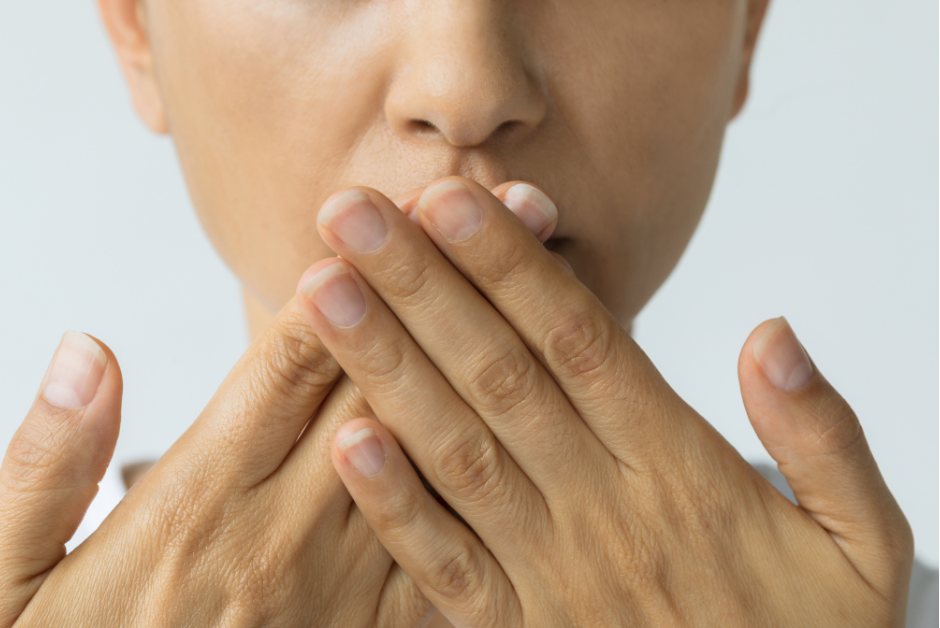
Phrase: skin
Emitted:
{"points": [[227, 529], [627, 147], [276, 108], [595, 495]]}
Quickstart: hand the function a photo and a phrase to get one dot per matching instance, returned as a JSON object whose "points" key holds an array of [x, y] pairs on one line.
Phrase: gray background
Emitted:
{"points": [[825, 210]]}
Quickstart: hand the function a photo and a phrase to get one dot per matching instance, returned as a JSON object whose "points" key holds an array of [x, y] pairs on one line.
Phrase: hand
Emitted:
{"points": [[592, 494], [243, 521]]}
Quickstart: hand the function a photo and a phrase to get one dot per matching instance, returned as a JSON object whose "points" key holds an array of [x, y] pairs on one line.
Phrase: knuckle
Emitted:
{"points": [[295, 357], [580, 345], [837, 427], [405, 281], [470, 468], [455, 575], [514, 260], [35, 458], [504, 382], [398, 514], [386, 360]]}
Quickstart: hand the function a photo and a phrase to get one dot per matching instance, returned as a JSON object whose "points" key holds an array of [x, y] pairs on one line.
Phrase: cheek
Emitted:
{"points": [[650, 113], [264, 105]]}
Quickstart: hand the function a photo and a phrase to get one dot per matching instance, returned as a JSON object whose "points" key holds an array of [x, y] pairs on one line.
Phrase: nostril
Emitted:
{"points": [[509, 129], [423, 125]]}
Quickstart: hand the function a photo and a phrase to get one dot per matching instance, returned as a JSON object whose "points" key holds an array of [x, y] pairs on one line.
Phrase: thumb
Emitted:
{"points": [[819, 446], [52, 467]]}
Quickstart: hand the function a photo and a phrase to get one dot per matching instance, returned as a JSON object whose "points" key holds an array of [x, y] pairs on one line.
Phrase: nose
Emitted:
{"points": [[462, 76]]}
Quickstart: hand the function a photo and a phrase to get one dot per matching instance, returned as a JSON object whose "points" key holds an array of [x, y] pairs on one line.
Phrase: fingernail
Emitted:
{"points": [[76, 371], [354, 219], [335, 293], [781, 356], [451, 208], [364, 452], [533, 208]]}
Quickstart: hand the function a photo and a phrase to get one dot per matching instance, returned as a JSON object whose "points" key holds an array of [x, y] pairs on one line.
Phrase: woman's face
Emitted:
{"points": [[616, 108]]}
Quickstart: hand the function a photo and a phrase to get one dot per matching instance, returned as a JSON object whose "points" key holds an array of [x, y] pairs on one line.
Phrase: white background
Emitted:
{"points": [[825, 210]]}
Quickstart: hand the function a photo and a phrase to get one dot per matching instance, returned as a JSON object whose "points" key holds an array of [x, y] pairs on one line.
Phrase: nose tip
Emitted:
{"points": [[465, 80]]}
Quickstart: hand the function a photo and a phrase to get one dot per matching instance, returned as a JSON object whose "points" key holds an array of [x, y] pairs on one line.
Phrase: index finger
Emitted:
{"points": [[256, 415], [259, 411]]}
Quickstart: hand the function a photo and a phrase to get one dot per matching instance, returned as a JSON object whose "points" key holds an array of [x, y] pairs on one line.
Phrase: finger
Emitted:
{"points": [[450, 565], [256, 415], [401, 603], [456, 451], [53, 465], [476, 350], [306, 475], [564, 325], [818, 444], [407, 203]]}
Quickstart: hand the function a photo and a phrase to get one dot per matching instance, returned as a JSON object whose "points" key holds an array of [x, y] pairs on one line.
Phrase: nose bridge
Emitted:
{"points": [[465, 74]]}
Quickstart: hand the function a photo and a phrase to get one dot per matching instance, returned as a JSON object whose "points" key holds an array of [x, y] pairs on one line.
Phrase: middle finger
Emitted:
{"points": [[476, 350]]}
